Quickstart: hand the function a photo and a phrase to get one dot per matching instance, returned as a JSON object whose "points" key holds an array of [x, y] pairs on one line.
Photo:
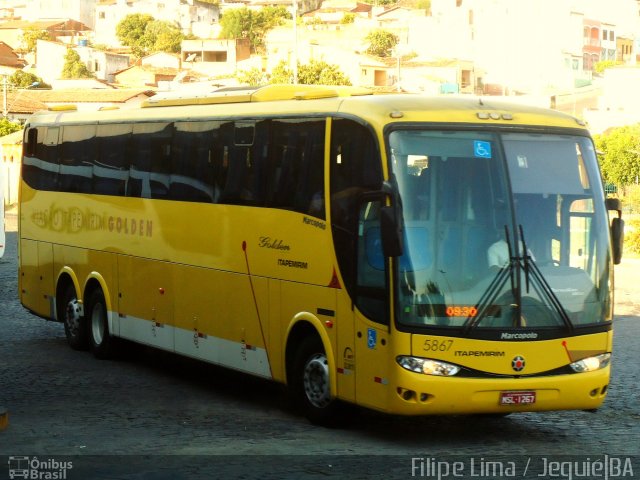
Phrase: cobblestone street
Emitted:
{"points": [[154, 415]]}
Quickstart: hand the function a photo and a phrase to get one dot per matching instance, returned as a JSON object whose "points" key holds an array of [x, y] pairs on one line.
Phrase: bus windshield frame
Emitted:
{"points": [[505, 230]]}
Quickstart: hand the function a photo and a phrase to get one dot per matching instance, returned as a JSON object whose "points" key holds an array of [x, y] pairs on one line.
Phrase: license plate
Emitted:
{"points": [[517, 398]]}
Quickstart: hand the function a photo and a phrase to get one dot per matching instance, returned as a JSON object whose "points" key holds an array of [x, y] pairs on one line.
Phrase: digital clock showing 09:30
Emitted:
{"points": [[461, 311]]}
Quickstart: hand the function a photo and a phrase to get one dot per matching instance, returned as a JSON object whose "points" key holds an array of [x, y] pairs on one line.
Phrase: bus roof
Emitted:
{"points": [[295, 100]]}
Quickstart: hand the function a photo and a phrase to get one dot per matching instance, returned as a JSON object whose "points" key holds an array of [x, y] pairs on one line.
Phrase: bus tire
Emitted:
{"points": [[100, 340], [75, 325], [311, 386]]}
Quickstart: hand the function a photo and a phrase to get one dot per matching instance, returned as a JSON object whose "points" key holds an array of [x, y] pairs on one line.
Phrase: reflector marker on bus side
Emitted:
{"points": [[380, 380], [334, 283]]}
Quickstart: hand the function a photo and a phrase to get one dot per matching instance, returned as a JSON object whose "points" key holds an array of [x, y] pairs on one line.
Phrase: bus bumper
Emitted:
{"points": [[418, 394]]}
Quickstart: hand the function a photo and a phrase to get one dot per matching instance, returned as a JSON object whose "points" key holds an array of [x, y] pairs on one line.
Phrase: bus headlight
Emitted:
{"points": [[591, 364], [427, 366]]}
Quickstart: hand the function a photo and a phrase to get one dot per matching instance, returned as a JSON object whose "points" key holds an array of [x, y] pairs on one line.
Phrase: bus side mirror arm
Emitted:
{"points": [[616, 229], [391, 223]]}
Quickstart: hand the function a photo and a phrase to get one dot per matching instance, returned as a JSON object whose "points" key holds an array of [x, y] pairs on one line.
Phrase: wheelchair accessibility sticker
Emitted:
{"points": [[482, 149], [372, 338]]}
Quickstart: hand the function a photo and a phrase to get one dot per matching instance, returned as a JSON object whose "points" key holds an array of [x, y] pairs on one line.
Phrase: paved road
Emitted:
{"points": [[152, 415]]}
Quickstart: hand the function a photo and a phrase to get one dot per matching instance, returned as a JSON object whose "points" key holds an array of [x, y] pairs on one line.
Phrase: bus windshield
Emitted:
{"points": [[502, 230]]}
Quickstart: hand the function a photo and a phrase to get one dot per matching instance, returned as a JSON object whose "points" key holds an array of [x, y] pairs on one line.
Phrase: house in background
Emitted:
{"points": [[9, 58], [50, 61], [592, 49], [10, 156], [144, 75], [161, 60], [193, 16], [608, 42], [624, 48], [32, 10], [19, 104], [214, 57], [11, 32]]}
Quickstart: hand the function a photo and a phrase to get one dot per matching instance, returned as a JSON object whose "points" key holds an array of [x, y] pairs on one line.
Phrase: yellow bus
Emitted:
{"points": [[408, 254]]}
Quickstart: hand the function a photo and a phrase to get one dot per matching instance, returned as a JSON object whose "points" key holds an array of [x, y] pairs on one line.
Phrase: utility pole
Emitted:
{"points": [[4, 97], [295, 42]]}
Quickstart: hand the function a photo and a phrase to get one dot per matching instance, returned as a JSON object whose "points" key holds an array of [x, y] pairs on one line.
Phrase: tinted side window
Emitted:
{"points": [[296, 166], [192, 162], [245, 152], [111, 170], [77, 157], [149, 175], [40, 164]]}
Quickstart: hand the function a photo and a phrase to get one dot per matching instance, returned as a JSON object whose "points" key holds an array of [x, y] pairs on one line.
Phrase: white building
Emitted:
{"points": [[617, 106], [192, 16], [50, 61], [32, 10]]}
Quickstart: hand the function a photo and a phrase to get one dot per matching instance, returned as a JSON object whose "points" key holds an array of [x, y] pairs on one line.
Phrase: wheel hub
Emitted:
{"points": [[316, 381], [74, 314]]}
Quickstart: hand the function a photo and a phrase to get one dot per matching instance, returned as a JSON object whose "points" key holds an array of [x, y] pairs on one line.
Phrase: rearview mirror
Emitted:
{"points": [[617, 239], [617, 229]]}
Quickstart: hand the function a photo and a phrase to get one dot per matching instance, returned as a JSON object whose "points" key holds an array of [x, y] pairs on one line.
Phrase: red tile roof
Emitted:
{"points": [[84, 95]]}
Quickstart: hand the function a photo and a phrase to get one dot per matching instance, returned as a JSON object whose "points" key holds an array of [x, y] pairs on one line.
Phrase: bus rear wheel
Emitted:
{"points": [[311, 384], [75, 325], [100, 340]]}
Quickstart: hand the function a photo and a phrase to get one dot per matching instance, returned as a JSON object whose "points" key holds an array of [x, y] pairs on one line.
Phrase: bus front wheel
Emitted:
{"points": [[75, 326], [100, 340], [311, 387]]}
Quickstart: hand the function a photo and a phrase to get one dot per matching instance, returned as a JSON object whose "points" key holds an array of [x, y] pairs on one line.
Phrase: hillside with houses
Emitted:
{"points": [[445, 46], [547, 52]]}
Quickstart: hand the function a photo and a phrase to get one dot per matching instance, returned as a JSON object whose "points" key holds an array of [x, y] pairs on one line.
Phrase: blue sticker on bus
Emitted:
{"points": [[372, 338], [482, 149]]}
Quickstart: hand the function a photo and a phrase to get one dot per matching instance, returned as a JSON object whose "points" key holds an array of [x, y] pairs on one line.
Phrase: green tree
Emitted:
{"points": [[252, 77], [319, 72], [7, 127], [73, 66], [145, 35], [22, 79], [161, 36], [423, 5], [281, 73], [254, 25], [620, 158], [347, 18], [30, 37], [381, 42], [316, 72], [131, 29], [601, 66]]}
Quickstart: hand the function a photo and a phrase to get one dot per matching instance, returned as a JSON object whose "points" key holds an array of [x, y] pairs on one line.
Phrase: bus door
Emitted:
{"points": [[363, 343], [371, 312]]}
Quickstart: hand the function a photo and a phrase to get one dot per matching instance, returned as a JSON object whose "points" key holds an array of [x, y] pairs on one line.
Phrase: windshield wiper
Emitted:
{"points": [[485, 305], [531, 269], [532, 274]]}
